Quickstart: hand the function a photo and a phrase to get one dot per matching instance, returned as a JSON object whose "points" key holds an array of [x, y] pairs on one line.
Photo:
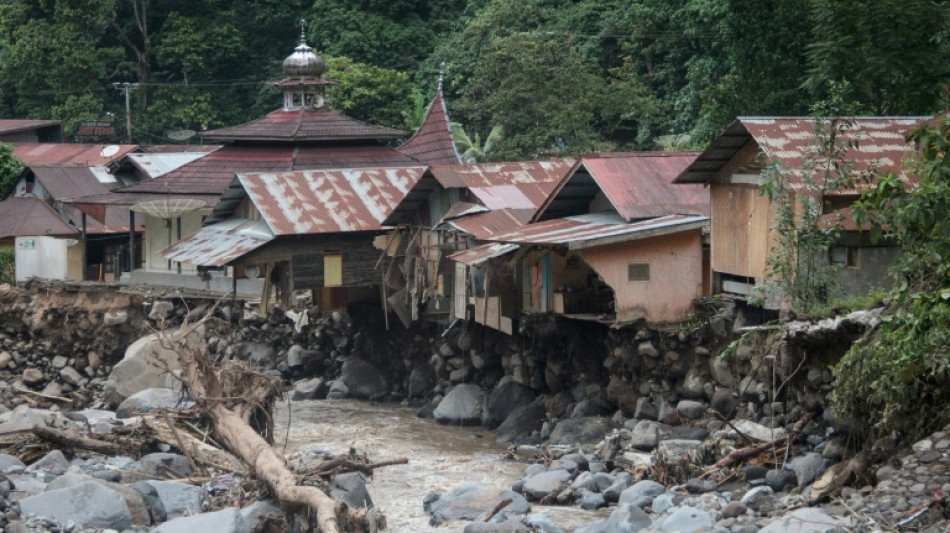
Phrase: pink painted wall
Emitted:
{"points": [[676, 275]]}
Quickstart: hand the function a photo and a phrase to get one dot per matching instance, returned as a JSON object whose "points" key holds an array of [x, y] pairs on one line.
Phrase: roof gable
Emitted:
{"points": [[31, 216], [69, 154], [432, 143]]}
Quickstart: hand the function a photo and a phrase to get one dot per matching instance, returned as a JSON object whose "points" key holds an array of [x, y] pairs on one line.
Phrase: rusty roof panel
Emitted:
{"points": [[155, 164], [432, 143], [517, 185], [31, 216], [16, 125], [69, 154], [304, 125], [597, 228], [483, 225], [221, 243], [881, 143], [480, 254], [462, 209], [212, 173], [640, 184], [328, 201], [130, 199]]}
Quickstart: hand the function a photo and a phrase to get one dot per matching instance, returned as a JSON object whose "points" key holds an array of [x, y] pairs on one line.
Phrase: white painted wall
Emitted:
{"points": [[43, 257], [156, 240]]}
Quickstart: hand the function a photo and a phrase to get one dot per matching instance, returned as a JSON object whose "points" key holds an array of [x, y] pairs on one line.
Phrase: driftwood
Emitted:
{"points": [[741, 454], [230, 395], [201, 452], [342, 465], [71, 440]]}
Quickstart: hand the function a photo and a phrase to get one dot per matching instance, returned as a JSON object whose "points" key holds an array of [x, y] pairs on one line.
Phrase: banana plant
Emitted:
{"points": [[474, 151]]}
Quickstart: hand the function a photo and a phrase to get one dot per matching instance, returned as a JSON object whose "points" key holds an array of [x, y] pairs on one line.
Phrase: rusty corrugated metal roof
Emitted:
{"points": [[212, 173], [13, 125], [483, 225], [597, 229], [128, 199], [221, 243], [518, 185], [155, 164], [69, 154], [789, 140], [30, 216], [303, 125], [432, 143], [328, 201], [480, 254]]}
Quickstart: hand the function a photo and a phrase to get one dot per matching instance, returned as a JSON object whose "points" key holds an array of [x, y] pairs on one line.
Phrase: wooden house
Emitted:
{"points": [[615, 241], [742, 217]]}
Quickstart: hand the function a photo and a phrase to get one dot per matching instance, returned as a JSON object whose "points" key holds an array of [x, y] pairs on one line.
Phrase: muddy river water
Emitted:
{"points": [[440, 457]]}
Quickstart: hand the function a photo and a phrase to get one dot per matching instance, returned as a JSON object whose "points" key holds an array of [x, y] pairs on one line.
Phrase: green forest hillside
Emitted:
{"points": [[600, 74]]}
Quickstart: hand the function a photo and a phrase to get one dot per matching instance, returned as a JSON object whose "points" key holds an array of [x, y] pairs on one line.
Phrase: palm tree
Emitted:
{"points": [[673, 142], [475, 151]]}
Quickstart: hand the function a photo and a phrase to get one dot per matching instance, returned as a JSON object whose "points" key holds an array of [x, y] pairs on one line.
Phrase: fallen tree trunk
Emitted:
{"points": [[65, 438], [202, 452], [229, 395]]}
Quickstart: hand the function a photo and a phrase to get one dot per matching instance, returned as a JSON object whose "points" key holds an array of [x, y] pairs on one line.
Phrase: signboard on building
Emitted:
{"points": [[96, 128]]}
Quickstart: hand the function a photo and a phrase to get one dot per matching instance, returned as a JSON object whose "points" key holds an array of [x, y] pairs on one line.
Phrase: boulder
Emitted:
{"points": [[521, 423], [310, 389], [585, 430], [503, 399], [470, 501], [688, 519], [807, 468], [756, 431], [626, 518], [147, 365], [538, 486], [151, 500], [351, 488], [645, 436], [157, 466], [260, 513], [364, 380], [54, 463], [621, 393], [227, 520], [677, 449], [461, 406], [725, 401], [691, 409], [805, 520], [7, 461], [421, 381], [257, 353], [149, 400], [178, 499], [88, 504], [641, 493]]}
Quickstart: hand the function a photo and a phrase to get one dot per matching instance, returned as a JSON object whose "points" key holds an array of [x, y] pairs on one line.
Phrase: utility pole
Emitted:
{"points": [[127, 89]]}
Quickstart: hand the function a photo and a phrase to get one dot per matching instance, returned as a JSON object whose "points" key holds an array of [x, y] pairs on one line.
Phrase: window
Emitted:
{"points": [[332, 269], [638, 272], [844, 256]]}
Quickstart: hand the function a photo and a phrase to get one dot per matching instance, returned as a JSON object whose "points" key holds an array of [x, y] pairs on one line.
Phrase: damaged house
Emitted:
{"points": [[615, 242], [742, 217]]}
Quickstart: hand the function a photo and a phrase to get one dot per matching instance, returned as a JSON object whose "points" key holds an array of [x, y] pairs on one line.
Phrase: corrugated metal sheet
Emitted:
{"points": [[69, 154], [221, 243], [881, 143], [158, 164], [480, 254], [640, 184], [15, 125], [596, 229], [506, 185], [483, 225], [462, 209], [30, 216], [304, 125], [212, 173], [328, 201], [432, 143], [130, 199]]}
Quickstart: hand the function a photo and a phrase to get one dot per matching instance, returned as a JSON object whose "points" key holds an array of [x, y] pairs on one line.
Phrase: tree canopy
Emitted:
{"points": [[600, 74]]}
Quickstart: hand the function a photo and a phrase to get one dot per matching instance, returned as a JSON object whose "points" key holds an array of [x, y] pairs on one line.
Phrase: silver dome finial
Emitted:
{"points": [[303, 31], [441, 74]]}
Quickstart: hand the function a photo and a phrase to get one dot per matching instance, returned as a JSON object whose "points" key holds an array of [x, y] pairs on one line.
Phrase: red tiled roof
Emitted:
{"points": [[30, 216], [303, 125], [212, 173], [789, 140], [328, 201], [432, 143], [69, 154]]}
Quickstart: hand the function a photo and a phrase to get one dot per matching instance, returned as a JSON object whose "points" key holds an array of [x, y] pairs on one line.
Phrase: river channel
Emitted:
{"points": [[440, 457]]}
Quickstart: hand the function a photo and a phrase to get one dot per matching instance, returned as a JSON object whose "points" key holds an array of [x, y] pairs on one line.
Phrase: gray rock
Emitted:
{"points": [[461, 406], [580, 430], [351, 488], [538, 486], [115, 317], [178, 499], [88, 504], [421, 382], [807, 468], [645, 436], [260, 513], [149, 400], [688, 519], [7, 460], [227, 520], [691, 409], [779, 479], [504, 399], [363, 379], [612, 493], [68, 480], [759, 498], [32, 376], [734, 509], [521, 422], [52, 463], [588, 408], [591, 501], [725, 401], [338, 390], [626, 518], [719, 368], [310, 389], [161, 310], [151, 500], [147, 365], [469, 501], [157, 466], [512, 525], [662, 502], [646, 410], [677, 449], [700, 486], [59, 361], [542, 524], [641, 493], [805, 520], [564, 464], [71, 375]]}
